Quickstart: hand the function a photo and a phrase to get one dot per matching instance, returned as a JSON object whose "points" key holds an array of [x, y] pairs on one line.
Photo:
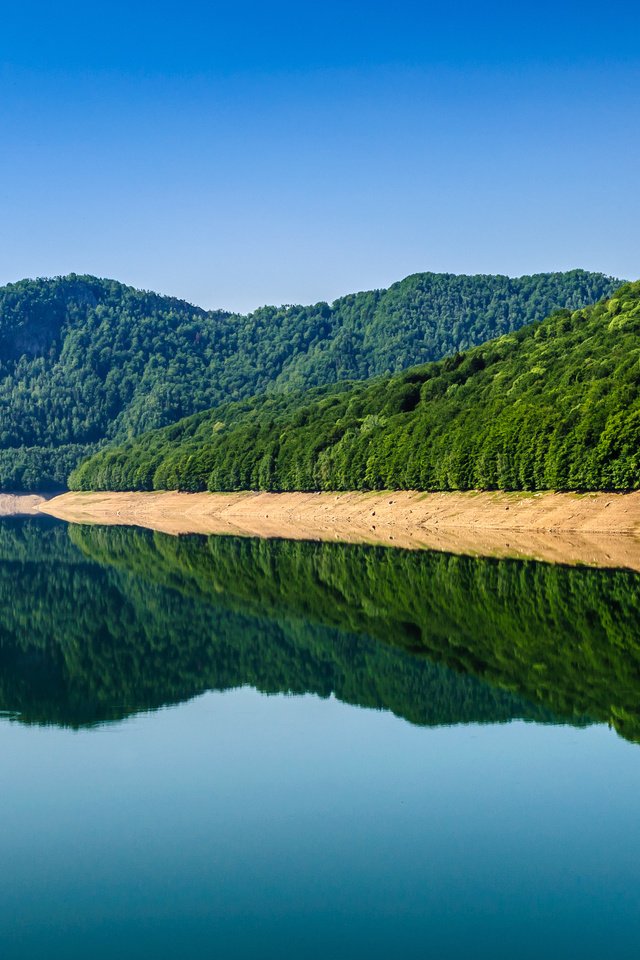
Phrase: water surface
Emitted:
{"points": [[239, 748]]}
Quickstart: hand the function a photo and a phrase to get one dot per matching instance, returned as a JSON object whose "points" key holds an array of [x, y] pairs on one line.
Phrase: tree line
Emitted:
{"points": [[554, 405], [86, 362]]}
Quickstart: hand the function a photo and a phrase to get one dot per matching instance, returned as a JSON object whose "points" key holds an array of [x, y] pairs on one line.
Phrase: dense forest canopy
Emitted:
{"points": [[84, 362], [554, 405]]}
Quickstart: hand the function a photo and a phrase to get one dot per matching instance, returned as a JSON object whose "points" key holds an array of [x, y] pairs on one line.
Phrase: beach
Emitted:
{"points": [[601, 529]]}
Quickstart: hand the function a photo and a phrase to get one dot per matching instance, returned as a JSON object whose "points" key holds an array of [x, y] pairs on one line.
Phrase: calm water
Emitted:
{"points": [[218, 747]]}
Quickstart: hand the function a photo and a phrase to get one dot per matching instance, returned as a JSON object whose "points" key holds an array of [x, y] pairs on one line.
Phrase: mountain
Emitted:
{"points": [[84, 362], [553, 405]]}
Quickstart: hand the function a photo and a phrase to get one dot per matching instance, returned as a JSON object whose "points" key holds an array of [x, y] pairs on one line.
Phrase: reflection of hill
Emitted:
{"points": [[565, 638], [152, 622], [99, 622]]}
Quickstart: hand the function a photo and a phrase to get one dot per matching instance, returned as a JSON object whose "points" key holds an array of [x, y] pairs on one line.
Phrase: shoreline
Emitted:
{"points": [[599, 529], [21, 504]]}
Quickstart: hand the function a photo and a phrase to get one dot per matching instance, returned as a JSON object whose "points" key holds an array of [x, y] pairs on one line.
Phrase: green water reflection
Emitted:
{"points": [[97, 623]]}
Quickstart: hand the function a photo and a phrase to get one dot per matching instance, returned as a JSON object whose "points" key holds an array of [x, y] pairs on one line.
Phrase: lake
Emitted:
{"points": [[227, 747]]}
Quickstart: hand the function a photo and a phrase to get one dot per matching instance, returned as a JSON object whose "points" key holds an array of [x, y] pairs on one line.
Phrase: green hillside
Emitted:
{"points": [[86, 361], [555, 405]]}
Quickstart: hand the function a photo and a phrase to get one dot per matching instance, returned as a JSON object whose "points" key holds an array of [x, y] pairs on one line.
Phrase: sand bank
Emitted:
{"points": [[19, 504], [601, 529]]}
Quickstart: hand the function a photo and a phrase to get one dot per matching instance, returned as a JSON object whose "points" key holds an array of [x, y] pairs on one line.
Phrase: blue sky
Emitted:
{"points": [[248, 153]]}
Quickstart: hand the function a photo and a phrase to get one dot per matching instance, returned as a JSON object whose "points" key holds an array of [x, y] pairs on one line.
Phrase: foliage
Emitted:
{"points": [[555, 405], [84, 362]]}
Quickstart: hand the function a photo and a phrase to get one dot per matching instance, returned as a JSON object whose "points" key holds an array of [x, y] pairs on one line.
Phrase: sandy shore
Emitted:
{"points": [[600, 529], [20, 504]]}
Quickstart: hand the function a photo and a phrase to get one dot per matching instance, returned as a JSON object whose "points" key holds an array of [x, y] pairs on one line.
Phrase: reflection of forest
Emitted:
{"points": [[99, 622]]}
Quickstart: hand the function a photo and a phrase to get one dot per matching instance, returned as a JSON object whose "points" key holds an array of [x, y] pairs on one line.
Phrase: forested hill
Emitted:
{"points": [[553, 405], [84, 361]]}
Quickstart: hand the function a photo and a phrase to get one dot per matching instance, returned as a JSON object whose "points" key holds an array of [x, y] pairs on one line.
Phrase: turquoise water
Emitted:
{"points": [[224, 748]]}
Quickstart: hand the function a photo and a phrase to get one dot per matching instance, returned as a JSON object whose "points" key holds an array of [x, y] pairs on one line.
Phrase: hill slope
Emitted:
{"points": [[84, 361], [554, 405]]}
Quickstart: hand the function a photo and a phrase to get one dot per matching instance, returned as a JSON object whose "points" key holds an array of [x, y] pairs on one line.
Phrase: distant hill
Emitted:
{"points": [[85, 361], [553, 405]]}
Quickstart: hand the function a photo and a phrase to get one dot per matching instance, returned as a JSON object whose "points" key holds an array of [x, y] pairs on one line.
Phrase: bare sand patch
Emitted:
{"points": [[20, 504], [599, 529]]}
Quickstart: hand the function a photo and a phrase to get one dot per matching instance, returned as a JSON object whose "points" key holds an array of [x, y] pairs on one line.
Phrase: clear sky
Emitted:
{"points": [[243, 153]]}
